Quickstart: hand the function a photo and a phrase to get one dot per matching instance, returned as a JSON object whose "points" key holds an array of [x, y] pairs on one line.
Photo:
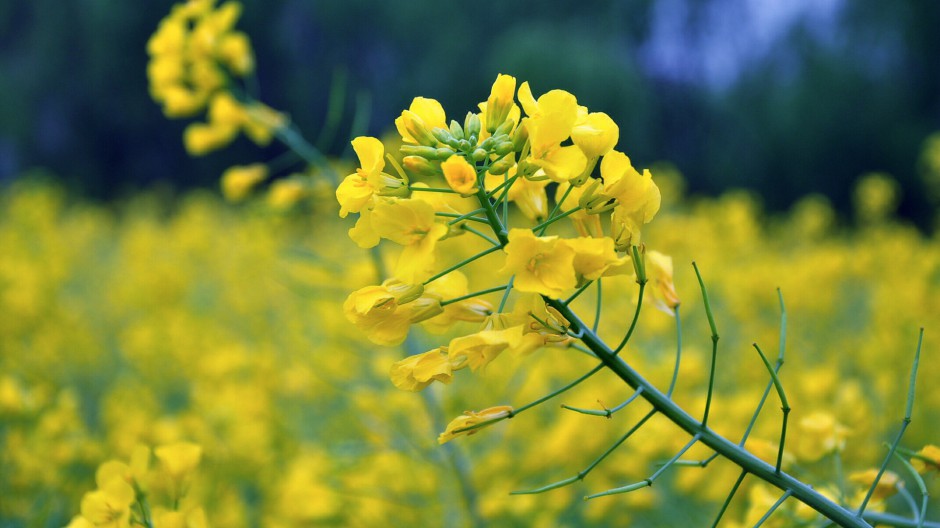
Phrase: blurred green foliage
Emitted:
{"points": [[827, 100]]}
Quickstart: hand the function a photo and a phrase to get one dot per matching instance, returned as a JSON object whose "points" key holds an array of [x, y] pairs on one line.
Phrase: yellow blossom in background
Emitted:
{"points": [[109, 505], [238, 181], [179, 459], [876, 195], [287, 192], [886, 487], [819, 434], [470, 419], [927, 459]]}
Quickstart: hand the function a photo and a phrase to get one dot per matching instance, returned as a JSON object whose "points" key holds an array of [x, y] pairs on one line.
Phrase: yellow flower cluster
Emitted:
{"points": [[455, 176], [194, 55]]}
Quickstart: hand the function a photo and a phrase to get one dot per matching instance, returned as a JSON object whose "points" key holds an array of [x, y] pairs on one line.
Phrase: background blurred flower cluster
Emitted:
{"points": [[154, 322]]}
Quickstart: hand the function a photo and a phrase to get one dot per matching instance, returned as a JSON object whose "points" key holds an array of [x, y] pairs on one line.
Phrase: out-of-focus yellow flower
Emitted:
{"points": [[470, 419], [202, 138], [287, 192], [659, 274], [819, 434], [886, 487], [927, 459], [541, 264], [460, 175], [239, 180], [876, 196], [418, 371], [109, 505], [179, 459]]}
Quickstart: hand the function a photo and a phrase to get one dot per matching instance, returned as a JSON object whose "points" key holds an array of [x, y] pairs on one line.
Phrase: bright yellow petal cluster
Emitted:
{"points": [[386, 312], [542, 265]]}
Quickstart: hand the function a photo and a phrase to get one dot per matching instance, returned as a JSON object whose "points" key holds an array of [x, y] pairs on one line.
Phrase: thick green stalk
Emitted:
{"points": [[718, 443]]}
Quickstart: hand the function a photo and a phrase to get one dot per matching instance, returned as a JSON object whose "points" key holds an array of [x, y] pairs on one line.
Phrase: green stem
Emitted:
{"points": [[783, 401], [476, 232], [773, 508], [584, 473], [463, 263], [556, 208], [649, 481], [576, 294], [724, 506], [921, 486], [296, 142], [724, 447], [675, 370], [909, 409], [636, 317], [544, 225], [711, 324], [474, 294], [607, 413], [432, 189], [515, 412]]}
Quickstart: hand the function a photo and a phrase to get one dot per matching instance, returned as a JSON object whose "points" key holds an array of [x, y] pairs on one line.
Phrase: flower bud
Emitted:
{"points": [[455, 130], [419, 150], [479, 155], [499, 104], [415, 128], [419, 166], [472, 126], [403, 293], [519, 138], [505, 128], [425, 308], [501, 166], [444, 136], [503, 148], [442, 153]]}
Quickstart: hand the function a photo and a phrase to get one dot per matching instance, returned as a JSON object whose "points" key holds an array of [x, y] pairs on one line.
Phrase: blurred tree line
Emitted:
{"points": [[736, 93]]}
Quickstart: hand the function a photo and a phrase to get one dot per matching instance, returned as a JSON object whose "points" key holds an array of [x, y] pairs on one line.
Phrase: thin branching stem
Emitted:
{"points": [[474, 294], [785, 405], [773, 508], [543, 399], [711, 324], [675, 370], [649, 481], [724, 505], [584, 473], [909, 409], [921, 486], [607, 413]]}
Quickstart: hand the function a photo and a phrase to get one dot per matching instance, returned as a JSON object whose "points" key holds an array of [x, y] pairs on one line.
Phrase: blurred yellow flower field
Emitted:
{"points": [[131, 331]]}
